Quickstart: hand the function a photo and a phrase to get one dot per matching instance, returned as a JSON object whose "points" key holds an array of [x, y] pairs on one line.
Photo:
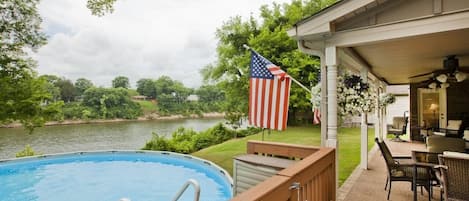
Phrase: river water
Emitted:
{"points": [[130, 135]]}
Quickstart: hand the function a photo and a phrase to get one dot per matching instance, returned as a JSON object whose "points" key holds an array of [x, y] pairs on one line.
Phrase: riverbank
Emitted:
{"points": [[143, 118]]}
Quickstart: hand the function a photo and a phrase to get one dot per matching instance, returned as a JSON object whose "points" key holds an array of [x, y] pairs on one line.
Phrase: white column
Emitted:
{"points": [[378, 113], [331, 63], [332, 140], [323, 102], [364, 129], [384, 131]]}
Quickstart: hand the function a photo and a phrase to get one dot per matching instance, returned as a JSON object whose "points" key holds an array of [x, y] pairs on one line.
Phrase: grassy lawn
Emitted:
{"points": [[147, 106], [349, 146]]}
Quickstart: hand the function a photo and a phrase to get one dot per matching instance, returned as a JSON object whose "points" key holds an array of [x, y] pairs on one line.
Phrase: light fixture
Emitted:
{"points": [[433, 107], [444, 85], [460, 76], [432, 85], [442, 78]]}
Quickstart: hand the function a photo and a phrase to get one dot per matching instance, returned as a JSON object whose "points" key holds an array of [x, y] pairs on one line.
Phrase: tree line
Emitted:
{"points": [[82, 100]]}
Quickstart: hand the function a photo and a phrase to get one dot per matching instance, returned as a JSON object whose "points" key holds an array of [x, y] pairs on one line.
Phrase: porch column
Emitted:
{"points": [[364, 128], [331, 63], [384, 128], [378, 113], [323, 108], [332, 140]]}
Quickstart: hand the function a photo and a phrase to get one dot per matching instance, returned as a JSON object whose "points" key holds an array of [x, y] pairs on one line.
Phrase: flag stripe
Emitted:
{"points": [[258, 102], [269, 112], [274, 104], [285, 102], [277, 106], [250, 102], [263, 105]]}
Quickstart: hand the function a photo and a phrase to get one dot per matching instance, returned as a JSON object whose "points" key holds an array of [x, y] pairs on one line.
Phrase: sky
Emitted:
{"points": [[140, 39]]}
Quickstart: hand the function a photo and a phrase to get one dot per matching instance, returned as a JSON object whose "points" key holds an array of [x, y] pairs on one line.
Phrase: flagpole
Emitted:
{"points": [[293, 79]]}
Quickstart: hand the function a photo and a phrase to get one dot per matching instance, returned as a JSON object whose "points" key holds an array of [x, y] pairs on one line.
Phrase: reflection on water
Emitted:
{"points": [[87, 137]]}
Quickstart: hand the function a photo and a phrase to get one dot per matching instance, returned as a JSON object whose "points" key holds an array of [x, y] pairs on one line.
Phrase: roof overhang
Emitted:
{"points": [[395, 50]]}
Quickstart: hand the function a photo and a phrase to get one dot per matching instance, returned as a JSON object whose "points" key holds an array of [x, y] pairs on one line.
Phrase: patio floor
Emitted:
{"points": [[368, 185]]}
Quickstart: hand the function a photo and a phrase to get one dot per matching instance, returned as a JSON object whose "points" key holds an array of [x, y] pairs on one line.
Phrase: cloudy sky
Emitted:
{"points": [[141, 39]]}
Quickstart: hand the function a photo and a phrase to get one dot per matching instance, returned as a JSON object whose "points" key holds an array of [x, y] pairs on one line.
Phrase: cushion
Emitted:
{"points": [[439, 144], [466, 135], [456, 155], [454, 124]]}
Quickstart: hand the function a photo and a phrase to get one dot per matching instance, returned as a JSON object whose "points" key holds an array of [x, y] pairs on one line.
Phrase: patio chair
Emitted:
{"points": [[454, 175], [398, 127], [454, 128], [401, 168]]}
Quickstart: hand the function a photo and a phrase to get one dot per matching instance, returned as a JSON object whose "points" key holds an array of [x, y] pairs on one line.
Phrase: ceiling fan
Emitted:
{"points": [[450, 73]]}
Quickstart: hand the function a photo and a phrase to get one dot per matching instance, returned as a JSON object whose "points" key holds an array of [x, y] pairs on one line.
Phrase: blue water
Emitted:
{"points": [[107, 176]]}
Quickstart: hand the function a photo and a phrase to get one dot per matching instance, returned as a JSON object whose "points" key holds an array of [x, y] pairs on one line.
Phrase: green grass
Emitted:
{"points": [[148, 106], [349, 146]]}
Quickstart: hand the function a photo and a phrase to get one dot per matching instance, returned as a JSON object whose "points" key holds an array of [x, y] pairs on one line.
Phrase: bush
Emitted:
{"points": [[187, 140], [157, 143], [27, 151]]}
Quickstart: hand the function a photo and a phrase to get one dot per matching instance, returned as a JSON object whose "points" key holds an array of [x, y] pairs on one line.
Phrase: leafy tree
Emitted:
{"points": [[51, 86], [100, 7], [110, 103], [121, 81], [211, 97], [22, 92], [146, 87], [82, 84], [67, 90], [269, 38]]}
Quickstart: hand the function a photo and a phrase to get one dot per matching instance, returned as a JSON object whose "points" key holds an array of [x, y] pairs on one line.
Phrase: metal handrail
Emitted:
{"points": [[184, 188]]}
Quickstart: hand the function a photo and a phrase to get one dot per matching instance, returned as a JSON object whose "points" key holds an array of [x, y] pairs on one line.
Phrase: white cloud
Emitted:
{"points": [[141, 39]]}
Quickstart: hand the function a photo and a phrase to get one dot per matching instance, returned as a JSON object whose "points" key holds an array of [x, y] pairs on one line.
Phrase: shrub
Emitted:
{"points": [[27, 151], [157, 143], [187, 140]]}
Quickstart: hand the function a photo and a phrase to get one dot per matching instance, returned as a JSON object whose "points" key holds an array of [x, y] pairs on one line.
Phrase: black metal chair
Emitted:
{"points": [[401, 168]]}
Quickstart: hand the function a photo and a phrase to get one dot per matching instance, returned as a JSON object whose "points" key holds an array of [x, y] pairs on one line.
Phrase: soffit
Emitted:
{"points": [[397, 60]]}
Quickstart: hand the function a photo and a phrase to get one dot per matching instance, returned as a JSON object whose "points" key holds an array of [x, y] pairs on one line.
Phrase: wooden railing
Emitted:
{"points": [[313, 178]]}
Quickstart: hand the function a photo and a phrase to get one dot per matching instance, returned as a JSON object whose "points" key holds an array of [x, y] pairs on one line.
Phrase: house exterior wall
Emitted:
{"points": [[457, 105], [399, 10]]}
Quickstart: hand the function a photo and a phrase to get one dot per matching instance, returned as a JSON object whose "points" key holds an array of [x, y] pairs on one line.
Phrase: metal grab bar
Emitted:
{"points": [[184, 188]]}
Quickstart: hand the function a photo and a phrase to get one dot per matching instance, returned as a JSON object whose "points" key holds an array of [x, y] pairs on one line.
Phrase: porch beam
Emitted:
{"points": [[415, 27]]}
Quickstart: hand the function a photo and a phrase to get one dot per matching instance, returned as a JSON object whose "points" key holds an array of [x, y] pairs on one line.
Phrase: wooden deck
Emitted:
{"points": [[369, 184], [311, 177]]}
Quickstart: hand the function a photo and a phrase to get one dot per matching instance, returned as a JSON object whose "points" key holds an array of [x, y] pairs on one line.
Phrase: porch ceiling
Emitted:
{"points": [[397, 60]]}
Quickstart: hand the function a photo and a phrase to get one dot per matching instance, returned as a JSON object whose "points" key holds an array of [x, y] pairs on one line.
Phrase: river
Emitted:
{"points": [[130, 135]]}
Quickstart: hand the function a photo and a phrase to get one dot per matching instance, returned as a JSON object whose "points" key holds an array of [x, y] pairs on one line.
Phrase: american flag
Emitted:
{"points": [[269, 93]]}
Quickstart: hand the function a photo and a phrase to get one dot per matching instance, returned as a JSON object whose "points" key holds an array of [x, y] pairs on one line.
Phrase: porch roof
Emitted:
{"points": [[395, 40]]}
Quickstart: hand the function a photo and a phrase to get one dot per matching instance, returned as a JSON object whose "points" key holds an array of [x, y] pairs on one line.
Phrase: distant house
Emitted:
{"points": [[139, 97], [192, 97]]}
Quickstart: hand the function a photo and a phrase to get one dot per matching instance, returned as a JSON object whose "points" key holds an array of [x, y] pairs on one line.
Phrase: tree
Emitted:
{"points": [[22, 92], [67, 90], [111, 103], [121, 81], [100, 7], [269, 38], [51, 86], [146, 87], [81, 85]]}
